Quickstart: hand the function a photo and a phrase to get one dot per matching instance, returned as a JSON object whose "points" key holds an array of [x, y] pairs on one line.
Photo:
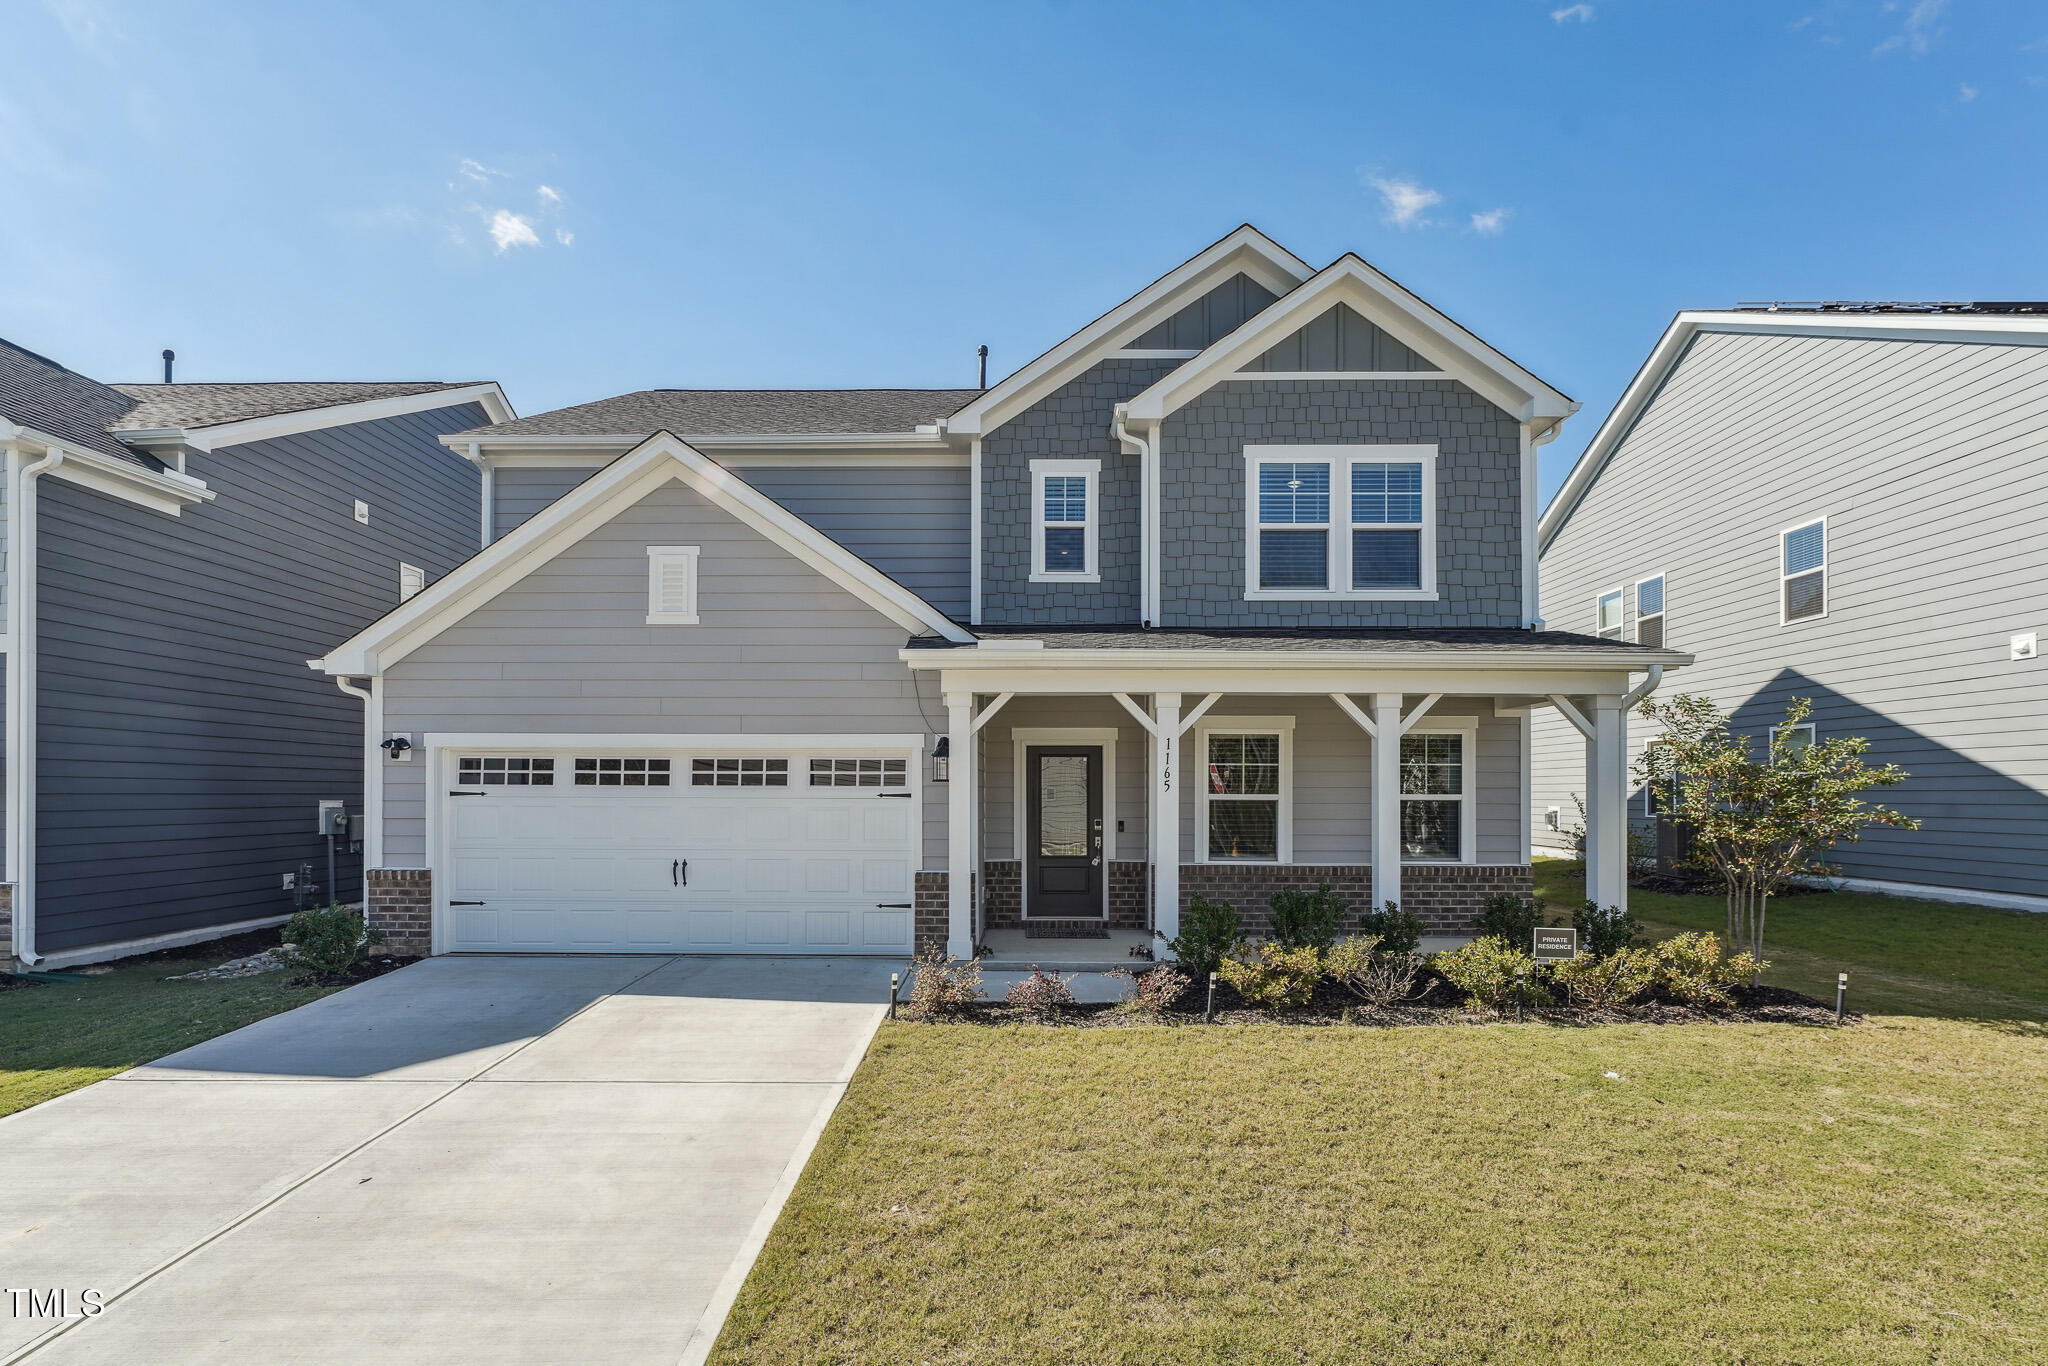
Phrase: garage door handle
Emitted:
{"points": [[904, 795], [465, 903], [469, 794], [892, 905], [679, 872]]}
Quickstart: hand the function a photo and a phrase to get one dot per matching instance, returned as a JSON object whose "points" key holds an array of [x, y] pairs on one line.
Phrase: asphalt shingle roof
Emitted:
{"points": [[734, 412], [37, 392], [209, 405], [1306, 640]]}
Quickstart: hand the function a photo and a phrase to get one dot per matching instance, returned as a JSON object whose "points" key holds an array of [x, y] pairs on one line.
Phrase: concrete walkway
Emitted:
{"points": [[470, 1160]]}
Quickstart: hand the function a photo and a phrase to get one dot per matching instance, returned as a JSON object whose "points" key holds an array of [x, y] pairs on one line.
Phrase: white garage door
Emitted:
{"points": [[678, 853]]}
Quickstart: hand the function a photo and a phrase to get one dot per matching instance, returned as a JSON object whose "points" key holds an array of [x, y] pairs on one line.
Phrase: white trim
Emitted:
{"points": [[1664, 597], [1920, 891], [165, 491], [1826, 570], [176, 939], [1250, 376], [1812, 733], [858, 450], [21, 715], [415, 577], [660, 559], [214, 436], [1337, 530], [1157, 353], [1090, 472], [1021, 739], [1468, 818], [593, 503], [1282, 726], [1620, 595]]}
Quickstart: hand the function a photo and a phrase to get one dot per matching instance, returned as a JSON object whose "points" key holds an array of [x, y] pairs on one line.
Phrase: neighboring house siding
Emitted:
{"points": [[1071, 423], [910, 522], [1202, 503], [1926, 459], [779, 649], [183, 743]]}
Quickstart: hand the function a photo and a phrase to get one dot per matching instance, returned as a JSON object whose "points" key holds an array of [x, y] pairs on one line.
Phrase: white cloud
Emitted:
{"points": [[1491, 223], [1968, 92], [1572, 14], [1920, 31], [1405, 201], [509, 230], [565, 237], [550, 194], [471, 169]]}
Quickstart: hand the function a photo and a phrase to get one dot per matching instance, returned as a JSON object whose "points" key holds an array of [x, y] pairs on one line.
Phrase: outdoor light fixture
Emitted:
{"points": [[396, 747], [942, 759]]}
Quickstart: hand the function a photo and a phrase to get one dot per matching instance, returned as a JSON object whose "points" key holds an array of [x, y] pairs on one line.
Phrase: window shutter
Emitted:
{"points": [[671, 585]]}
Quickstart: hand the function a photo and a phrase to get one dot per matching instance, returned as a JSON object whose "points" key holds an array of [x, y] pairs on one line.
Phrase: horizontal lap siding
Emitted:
{"points": [[779, 649], [182, 741], [1927, 459], [518, 494]]}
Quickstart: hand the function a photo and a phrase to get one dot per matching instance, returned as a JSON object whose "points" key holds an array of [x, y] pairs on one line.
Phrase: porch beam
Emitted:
{"points": [[1137, 712], [988, 712], [1187, 722], [1356, 713], [1572, 714], [960, 826], [1421, 710], [1165, 841], [1386, 798]]}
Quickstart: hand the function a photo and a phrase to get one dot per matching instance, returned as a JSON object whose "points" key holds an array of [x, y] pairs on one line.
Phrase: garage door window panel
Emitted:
{"points": [[504, 770]]}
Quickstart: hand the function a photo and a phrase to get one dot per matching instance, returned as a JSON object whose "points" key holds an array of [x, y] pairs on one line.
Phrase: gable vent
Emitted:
{"points": [[671, 585]]}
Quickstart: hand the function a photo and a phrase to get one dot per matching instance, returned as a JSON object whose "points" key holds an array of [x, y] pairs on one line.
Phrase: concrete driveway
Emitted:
{"points": [[470, 1160]]}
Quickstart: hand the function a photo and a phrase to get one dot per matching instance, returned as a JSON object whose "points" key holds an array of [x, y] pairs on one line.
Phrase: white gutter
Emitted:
{"points": [[1015, 656], [21, 692], [1645, 688]]}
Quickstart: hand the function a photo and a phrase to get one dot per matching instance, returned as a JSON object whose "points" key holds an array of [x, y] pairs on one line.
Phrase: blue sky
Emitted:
{"points": [[579, 200]]}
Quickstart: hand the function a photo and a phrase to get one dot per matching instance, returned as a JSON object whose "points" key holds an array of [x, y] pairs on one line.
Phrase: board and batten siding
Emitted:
{"points": [[183, 744], [910, 522], [779, 649], [1927, 459]]}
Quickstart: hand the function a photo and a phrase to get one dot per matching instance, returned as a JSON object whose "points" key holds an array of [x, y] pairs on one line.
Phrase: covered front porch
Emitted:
{"points": [[1392, 774]]}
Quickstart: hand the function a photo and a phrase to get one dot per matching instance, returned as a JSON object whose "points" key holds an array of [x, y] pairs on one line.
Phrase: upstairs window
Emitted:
{"points": [[1386, 524], [1294, 524], [1340, 522], [1803, 572], [1650, 611], [1610, 623], [1065, 498], [671, 585]]}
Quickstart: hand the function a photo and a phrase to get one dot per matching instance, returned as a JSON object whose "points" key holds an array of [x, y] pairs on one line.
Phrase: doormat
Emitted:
{"points": [[1065, 929]]}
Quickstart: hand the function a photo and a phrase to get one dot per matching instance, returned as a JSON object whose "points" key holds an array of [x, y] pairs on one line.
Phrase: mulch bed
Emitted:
{"points": [[374, 966], [238, 946]]}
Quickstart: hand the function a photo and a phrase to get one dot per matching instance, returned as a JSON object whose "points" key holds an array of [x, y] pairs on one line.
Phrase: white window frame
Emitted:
{"points": [[1468, 822], [411, 580], [1338, 529], [1282, 726], [1826, 571], [1620, 594], [1091, 472], [1635, 632], [1812, 734], [657, 557]]}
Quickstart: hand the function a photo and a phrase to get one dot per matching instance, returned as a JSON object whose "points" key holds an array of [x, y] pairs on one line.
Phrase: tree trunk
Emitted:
{"points": [[1756, 948]]}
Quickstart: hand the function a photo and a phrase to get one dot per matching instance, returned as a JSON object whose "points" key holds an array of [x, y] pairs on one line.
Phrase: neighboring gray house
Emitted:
{"points": [[1842, 503], [173, 554], [846, 671]]}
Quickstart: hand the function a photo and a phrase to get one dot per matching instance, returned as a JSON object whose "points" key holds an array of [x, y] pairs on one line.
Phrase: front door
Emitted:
{"points": [[1063, 833]]}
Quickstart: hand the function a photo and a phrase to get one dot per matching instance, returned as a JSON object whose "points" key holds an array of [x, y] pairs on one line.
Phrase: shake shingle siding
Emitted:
{"points": [[183, 742], [1926, 459]]}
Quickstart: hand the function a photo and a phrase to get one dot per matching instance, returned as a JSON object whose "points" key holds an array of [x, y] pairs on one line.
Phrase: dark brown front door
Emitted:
{"points": [[1063, 832]]}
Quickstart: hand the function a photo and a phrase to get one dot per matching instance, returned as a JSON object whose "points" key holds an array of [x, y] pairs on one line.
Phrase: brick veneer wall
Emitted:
{"points": [[1447, 898], [401, 906], [1003, 879], [928, 918]]}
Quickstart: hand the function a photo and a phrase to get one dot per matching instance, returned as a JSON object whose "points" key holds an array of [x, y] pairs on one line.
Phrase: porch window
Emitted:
{"points": [[1343, 523], [1065, 498], [1435, 796], [1243, 792]]}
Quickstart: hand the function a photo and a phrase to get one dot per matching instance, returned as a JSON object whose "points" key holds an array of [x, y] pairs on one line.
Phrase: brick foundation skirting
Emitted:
{"points": [[6, 922], [401, 907], [1447, 898], [928, 919], [1004, 884]]}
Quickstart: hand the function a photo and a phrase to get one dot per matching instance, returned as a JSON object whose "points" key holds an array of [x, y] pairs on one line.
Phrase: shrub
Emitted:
{"points": [[1305, 919], [1608, 981], [1397, 930], [1487, 969], [1274, 976], [1511, 917], [325, 941], [1041, 994], [941, 985], [1604, 933], [1378, 978], [1153, 992], [1692, 968], [1209, 930]]}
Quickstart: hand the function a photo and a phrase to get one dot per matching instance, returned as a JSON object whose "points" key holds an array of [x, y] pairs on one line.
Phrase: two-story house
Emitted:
{"points": [[1232, 589], [1836, 502], [173, 553]]}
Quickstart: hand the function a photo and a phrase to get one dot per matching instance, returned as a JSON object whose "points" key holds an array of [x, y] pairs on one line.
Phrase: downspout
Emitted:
{"points": [[21, 694], [1532, 596], [373, 792], [1148, 518], [1643, 689]]}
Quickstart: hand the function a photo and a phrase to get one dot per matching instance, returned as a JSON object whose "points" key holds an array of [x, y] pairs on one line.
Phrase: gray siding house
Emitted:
{"points": [[174, 554], [852, 671], [1838, 503]]}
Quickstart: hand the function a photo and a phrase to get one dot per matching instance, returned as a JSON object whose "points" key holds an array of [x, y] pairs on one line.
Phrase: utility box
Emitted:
{"points": [[333, 819]]}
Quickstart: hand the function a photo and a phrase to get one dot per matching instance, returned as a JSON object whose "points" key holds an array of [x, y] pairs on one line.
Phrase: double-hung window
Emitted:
{"points": [[1803, 572], [1340, 522], [1244, 790], [1065, 499], [1610, 618], [1436, 795], [1650, 610], [1794, 740]]}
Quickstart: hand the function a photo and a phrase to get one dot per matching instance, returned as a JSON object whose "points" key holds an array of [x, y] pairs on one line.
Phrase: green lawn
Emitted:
{"points": [[1740, 1194], [65, 1035]]}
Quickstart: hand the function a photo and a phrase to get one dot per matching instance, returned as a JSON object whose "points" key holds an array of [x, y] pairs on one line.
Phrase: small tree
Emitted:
{"points": [[1760, 822]]}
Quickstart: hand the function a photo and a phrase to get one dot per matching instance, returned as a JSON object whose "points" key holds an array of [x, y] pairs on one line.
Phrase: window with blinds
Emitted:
{"points": [[1803, 572], [1650, 610]]}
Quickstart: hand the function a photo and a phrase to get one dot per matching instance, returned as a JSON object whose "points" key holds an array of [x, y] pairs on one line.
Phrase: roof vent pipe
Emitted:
{"points": [[982, 352], [169, 357]]}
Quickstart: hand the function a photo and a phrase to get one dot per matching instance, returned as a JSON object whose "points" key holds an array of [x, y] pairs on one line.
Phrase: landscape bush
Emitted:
{"points": [[1487, 970], [1693, 968], [1605, 982], [1307, 919], [325, 941], [1397, 930], [1041, 994], [1273, 976], [942, 985], [1153, 992], [1372, 974], [1209, 930], [1604, 933], [1509, 916]]}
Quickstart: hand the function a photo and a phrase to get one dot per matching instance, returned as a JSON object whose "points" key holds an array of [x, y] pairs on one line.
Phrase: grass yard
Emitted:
{"points": [[1740, 1194], [65, 1035]]}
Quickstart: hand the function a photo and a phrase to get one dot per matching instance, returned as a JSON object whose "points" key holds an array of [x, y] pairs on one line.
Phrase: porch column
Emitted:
{"points": [[960, 825], [1607, 804], [1165, 840], [1386, 798]]}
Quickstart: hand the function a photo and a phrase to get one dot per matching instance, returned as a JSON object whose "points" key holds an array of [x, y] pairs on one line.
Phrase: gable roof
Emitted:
{"points": [[209, 404], [1893, 323], [1386, 304], [38, 393], [1245, 250], [731, 412], [660, 459]]}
